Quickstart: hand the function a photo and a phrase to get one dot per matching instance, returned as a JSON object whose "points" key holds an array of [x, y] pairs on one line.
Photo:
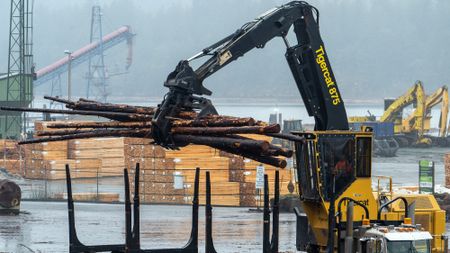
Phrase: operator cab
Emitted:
{"points": [[343, 154]]}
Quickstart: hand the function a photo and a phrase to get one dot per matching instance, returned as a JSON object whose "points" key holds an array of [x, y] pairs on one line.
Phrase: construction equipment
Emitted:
{"points": [[334, 164], [411, 134], [440, 96]]}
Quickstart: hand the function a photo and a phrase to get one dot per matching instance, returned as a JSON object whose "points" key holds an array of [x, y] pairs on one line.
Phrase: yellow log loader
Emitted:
{"points": [[333, 163]]}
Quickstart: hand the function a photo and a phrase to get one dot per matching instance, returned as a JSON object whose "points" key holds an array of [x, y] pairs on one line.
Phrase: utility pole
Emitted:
{"points": [[18, 83], [97, 75], [69, 74]]}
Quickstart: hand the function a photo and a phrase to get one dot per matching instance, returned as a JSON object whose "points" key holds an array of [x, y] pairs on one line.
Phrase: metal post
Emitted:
{"points": [[349, 229], [275, 215], [266, 217], [69, 74], [97, 183], [331, 215], [209, 245]]}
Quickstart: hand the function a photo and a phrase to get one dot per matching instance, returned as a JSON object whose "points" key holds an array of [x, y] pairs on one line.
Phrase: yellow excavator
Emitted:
{"points": [[410, 131], [440, 96], [333, 162]]}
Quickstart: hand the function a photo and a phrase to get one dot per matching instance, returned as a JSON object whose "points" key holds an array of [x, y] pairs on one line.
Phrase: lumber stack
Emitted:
{"points": [[156, 172], [87, 196], [47, 160], [110, 151], [447, 169], [11, 156]]}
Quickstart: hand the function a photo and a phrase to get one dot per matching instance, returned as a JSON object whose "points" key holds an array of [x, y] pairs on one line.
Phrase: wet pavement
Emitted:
{"points": [[45, 228]]}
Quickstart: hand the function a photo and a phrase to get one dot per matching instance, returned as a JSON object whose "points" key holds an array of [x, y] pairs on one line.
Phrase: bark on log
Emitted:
{"points": [[110, 115], [146, 132], [280, 163], [214, 122], [226, 130], [59, 100], [254, 146], [91, 134], [90, 105], [289, 137], [111, 124]]}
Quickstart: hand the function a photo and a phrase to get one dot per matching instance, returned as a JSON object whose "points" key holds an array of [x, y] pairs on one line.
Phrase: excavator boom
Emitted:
{"points": [[414, 94], [307, 60]]}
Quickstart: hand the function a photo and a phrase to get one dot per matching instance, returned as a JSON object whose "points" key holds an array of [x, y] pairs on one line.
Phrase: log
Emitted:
{"points": [[289, 137], [59, 100], [111, 124], [91, 105], [214, 122], [91, 134], [227, 130], [73, 132], [278, 151], [95, 106], [280, 163], [110, 115], [253, 146]]}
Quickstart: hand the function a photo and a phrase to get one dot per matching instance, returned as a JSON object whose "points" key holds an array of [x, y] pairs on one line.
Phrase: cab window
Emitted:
{"points": [[363, 156], [337, 156], [419, 246], [307, 170]]}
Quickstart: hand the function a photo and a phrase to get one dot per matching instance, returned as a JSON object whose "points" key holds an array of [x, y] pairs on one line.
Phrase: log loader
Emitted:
{"points": [[334, 164]]}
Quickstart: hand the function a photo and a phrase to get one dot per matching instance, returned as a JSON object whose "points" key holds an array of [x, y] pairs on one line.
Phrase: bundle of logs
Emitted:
{"points": [[217, 131]]}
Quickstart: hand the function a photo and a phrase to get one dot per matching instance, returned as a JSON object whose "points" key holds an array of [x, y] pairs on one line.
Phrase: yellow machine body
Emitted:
{"points": [[319, 161]]}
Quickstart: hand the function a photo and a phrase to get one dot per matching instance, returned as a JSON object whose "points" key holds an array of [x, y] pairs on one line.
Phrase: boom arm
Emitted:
{"points": [[415, 93], [307, 60], [440, 96]]}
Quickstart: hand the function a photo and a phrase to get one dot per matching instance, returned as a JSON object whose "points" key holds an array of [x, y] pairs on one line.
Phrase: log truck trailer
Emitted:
{"points": [[382, 220]]}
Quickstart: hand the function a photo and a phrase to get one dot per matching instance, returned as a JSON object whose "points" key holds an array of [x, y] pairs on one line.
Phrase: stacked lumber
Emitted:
{"points": [[11, 156], [86, 196], [156, 171], [447, 169], [232, 179], [47, 160], [109, 150], [12, 166], [55, 169], [9, 149]]}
